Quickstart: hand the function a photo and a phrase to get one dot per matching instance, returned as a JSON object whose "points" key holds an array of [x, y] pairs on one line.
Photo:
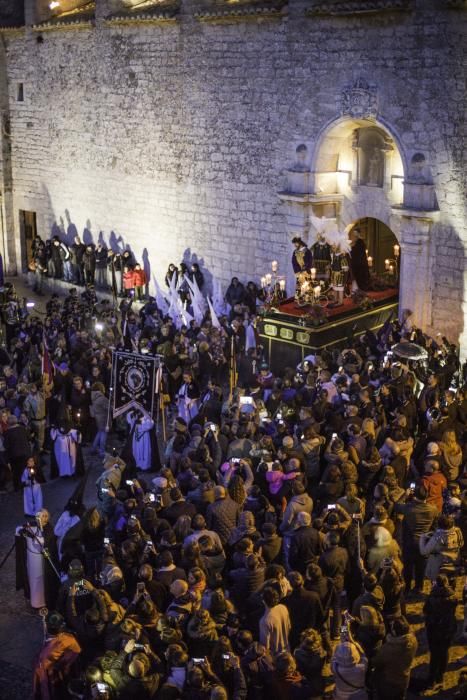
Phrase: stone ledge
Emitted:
{"points": [[242, 13], [354, 7], [428, 215], [150, 12], [12, 31]]}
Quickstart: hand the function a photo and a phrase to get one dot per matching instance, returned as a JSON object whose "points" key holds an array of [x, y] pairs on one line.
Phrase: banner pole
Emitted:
{"points": [[164, 429], [109, 408]]}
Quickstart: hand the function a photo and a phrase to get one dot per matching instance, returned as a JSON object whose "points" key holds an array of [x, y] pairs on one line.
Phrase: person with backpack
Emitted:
{"points": [[440, 620], [443, 548]]}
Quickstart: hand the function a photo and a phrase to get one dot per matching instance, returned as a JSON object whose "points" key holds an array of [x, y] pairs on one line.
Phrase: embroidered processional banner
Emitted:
{"points": [[135, 382]]}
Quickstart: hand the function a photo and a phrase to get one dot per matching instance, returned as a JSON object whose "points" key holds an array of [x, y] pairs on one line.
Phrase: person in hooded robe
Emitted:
{"points": [[188, 398], [36, 557], [70, 517], [143, 442], [32, 491], [66, 453], [359, 261]]}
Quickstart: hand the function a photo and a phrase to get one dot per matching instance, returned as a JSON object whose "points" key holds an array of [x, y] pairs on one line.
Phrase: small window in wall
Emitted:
{"points": [[20, 92]]}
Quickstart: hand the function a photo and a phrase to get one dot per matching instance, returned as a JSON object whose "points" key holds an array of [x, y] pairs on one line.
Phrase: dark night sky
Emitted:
{"points": [[11, 13]]}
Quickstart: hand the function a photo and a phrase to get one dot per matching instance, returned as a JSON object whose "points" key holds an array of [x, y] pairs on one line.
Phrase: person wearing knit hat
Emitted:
{"points": [[349, 666]]}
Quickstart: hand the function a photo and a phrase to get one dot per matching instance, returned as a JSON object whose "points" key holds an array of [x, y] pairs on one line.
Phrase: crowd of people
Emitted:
{"points": [[269, 547]]}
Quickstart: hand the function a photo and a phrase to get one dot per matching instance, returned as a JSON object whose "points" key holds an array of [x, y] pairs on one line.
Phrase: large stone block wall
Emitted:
{"points": [[174, 138]]}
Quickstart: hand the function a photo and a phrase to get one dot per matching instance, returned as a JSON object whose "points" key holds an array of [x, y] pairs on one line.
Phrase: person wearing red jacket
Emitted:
{"points": [[140, 280], [435, 482], [128, 282]]}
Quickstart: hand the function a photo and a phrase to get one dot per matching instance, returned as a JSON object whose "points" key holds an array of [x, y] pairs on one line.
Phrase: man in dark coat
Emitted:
{"points": [[359, 261], [305, 609], [392, 663], [419, 517], [77, 252], [222, 515], [441, 627], [178, 507], [305, 545], [334, 563], [18, 449]]}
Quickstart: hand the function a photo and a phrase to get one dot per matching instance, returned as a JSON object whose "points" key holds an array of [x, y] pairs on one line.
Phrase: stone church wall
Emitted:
{"points": [[174, 137]]}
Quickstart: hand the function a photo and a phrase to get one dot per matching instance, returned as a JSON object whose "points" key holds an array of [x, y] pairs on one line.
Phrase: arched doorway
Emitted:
{"points": [[383, 249]]}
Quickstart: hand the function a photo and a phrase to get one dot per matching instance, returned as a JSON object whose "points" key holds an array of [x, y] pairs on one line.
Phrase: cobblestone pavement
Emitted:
{"points": [[21, 628]]}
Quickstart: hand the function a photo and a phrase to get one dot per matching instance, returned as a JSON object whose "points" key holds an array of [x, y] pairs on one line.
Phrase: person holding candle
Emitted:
{"points": [[359, 262]]}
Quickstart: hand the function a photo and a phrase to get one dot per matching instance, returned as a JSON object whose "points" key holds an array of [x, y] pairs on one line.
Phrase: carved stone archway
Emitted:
{"points": [[324, 180]]}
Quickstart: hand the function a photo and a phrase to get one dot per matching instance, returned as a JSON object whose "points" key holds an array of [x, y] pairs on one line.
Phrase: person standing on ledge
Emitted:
{"points": [[359, 262]]}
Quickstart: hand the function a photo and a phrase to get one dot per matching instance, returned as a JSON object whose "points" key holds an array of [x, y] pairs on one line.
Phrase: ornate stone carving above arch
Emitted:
{"points": [[359, 100]]}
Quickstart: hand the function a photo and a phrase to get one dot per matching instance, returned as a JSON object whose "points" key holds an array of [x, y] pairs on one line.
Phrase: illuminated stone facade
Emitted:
{"points": [[173, 128]]}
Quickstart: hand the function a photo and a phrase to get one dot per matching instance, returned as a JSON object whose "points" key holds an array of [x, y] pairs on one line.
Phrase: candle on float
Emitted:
{"points": [[397, 250], [391, 269], [282, 285], [366, 252], [274, 265], [268, 278], [317, 290], [386, 264], [263, 282], [370, 261], [313, 273]]}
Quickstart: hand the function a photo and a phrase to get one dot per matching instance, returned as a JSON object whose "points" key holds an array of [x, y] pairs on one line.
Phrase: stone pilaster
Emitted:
{"points": [[416, 278]]}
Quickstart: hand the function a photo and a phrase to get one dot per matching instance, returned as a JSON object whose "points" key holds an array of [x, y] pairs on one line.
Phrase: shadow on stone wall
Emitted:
{"points": [[449, 283], [189, 258], [67, 231]]}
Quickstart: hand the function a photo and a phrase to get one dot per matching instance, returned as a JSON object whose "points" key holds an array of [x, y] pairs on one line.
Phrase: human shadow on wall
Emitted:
{"points": [[448, 278], [71, 230], [115, 242], [147, 269], [189, 258], [87, 236]]}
